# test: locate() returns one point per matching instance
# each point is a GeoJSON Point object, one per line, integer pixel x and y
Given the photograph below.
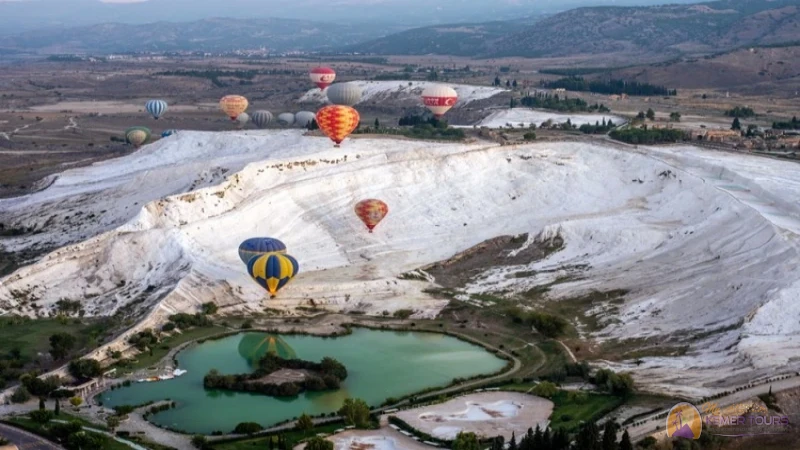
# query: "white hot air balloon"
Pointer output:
{"type": "Point", "coordinates": [261, 118]}
{"type": "Point", "coordinates": [242, 119]}
{"type": "Point", "coordinates": [347, 94]}
{"type": "Point", "coordinates": [303, 118]}
{"type": "Point", "coordinates": [286, 119]}
{"type": "Point", "coordinates": [439, 99]}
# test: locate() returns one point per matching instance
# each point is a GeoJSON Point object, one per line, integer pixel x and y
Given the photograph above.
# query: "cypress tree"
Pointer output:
{"type": "Point", "coordinates": [625, 443]}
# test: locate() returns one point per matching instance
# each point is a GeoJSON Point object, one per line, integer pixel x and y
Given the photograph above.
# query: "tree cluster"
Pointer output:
{"type": "Point", "coordinates": [616, 384]}
{"type": "Point", "coordinates": [793, 124]}
{"type": "Point", "coordinates": [83, 369]}
{"type": "Point", "coordinates": [327, 374]}
{"type": "Point", "coordinates": [742, 112]}
{"type": "Point", "coordinates": [355, 412]}
{"type": "Point", "coordinates": [538, 439]}
{"type": "Point", "coordinates": [610, 87]}
{"type": "Point", "coordinates": [185, 321]}
{"type": "Point", "coordinates": [546, 324]}
{"type": "Point", "coordinates": [556, 103]}
{"type": "Point", "coordinates": [647, 136]}
{"type": "Point", "coordinates": [143, 339]}
{"type": "Point", "coordinates": [597, 128]}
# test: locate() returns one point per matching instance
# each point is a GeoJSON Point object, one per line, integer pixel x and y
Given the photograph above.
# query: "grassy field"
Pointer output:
{"type": "Point", "coordinates": [146, 360]}
{"type": "Point", "coordinates": [31, 336]}
{"type": "Point", "coordinates": [292, 436]}
{"type": "Point", "coordinates": [569, 413]}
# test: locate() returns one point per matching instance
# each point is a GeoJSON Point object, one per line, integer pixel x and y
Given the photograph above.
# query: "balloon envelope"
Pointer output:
{"type": "Point", "coordinates": [233, 105]}
{"type": "Point", "coordinates": [303, 118]}
{"type": "Point", "coordinates": [272, 271]}
{"type": "Point", "coordinates": [371, 211]}
{"type": "Point", "coordinates": [137, 136]}
{"type": "Point", "coordinates": [168, 133]}
{"type": "Point", "coordinates": [439, 99]}
{"type": "Point", "coordinates": [337, 121]}
{"type": "Point", "coordinates": [258, 246]}
{"type": "Point", "coordinates": [261, 118]}
{"type": "Point", "coordinates": [242, 119]}
{"type": "Point", "coordinates": [347, 94]}
{"type": "Point", "coordinates": [286, 119]}
{"type": "Point", "coordinates": [322, 76]}
{"type": "Point", "coordinates": [156, 108]}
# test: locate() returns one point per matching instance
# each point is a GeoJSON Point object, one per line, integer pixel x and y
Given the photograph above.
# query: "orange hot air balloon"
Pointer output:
{"type": "Point", "coordinates": [371, 212]}
{"type": "Point", "coordinates": [233, 105]}
{"type": "Point", "coordinates": [337, 122]}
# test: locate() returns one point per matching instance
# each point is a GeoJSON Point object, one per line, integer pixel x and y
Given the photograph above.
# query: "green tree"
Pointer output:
{"type": "Point", "coordinates": [57, 409]}
{"type": "Point", "coordinates": [736, 125]}
{"type": "Point", "coordinates": [199, 441]}
{"type": "Point", "coordinates": [304, 423]}
{"type": "Point", "coordinates": [641, 115]}
{"type": "Point", "coordinates": [545, 389]}
{"type": "Point", "coordinates": [318, 443]}
{"type": "Point", "coordinates": [41, 416]}
{"type": "Point", "coordinates": [85, 441]}
{"type": "Point", "coordinates": [20, 395]}
{"type": "Point", "coordinates": [625, 443]}
{"type": "Point", "coordinates": [209, 308]}
{"type": "Point", "coordinates": [85, 368]}
{"type": "Point", "coordinates": [514, 83]}
{"type": "Point", "coordinates": [675, 116]}
{"type": "Point", "coordinates": [61, 344]}
{"type": "Point", "coordinates": [76, 401]}
{"type": "Point", "coordinates": [466, 441]}
{"type": "Point", "coordinates": [377, 123]}
{"type": "Point", "coordinates": [512, 444]}
{"type": "Point", "coordinates": [610, 435]}
{"type": "Point", "coordinates": [355, 412]}
{"type": "Point", "coordinates": [588, 438]}
{"type": "Point", "coordinates": [498, 443]}
{"type": "Point", "coordinates": [529, 136]}
{"type": "Point", "coordinates": [651, 114]}
{"type": "Point", "coordinates": [112, 422]}
{"type": "Point", "coordinates": [247, 428]}
{"type": "Point", "coordinates": [41, 403]}
{"type": "Point", "coordinates": [496, 81]}
{"type": "Point", "coordinates": [508, 83]}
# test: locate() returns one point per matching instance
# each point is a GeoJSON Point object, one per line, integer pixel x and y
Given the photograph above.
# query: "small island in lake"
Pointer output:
{"type": "Point", "coordinates": [279, 377]}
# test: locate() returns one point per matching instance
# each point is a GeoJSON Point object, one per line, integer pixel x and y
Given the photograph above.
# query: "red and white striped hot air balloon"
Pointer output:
{"type": "Point", "coordinates": [322, 76]}
{"type": "Point", "coordinates": [439, 99]}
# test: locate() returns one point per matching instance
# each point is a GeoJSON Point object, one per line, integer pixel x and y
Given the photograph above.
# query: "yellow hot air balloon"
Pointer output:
{"type": "Point", "coordinates": [273, 270]}
{"type": "Point", "coordinates": [137, 136]}
{"type": "Point", "coordinates": [233, 105]}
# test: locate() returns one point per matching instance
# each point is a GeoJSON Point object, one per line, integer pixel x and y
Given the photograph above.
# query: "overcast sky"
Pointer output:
{"type": "Point", "coordinates": [16, 15]}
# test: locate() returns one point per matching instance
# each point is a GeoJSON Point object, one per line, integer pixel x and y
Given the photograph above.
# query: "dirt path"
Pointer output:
{"type": "Point", "coordinates": [569, 352]}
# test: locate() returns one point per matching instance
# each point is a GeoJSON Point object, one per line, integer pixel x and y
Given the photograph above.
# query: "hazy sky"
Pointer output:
{"type": "Point", "coordinates": [16, 15]}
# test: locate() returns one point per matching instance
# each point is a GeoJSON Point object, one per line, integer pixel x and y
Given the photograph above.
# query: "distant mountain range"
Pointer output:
{"type": "Point", "coordinates": [639, 34]}
{"type": "Point", "coordinates": [652, 31]}
{"type": "Point", "coordinates": [218, 34]}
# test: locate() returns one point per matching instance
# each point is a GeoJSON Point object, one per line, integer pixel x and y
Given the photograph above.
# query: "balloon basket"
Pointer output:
{"type": "Point", "coordinates": [336, 146]}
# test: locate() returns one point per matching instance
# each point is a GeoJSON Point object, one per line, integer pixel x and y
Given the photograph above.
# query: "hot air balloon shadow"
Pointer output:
{"type": "Point", "coordinates": [255, 346]}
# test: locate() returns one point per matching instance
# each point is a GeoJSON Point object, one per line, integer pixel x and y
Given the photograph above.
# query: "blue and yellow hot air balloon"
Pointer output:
{"type": "Point", "coordinates": [272, 271]}
{"type": "Point", "coordinates": [258, 246]}
{"type": "Point", "coordinates": [168, 133]}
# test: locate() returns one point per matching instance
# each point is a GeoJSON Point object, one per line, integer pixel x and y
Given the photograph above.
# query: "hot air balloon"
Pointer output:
{"type": "Point", "coordinates": [371, 212]}
{"type": "Point", "coordinates": [286, 119]}
{"type": "Point", "coordinates": [272, 271]}
{"type": "Point", "coordinates": [137, 136]}
{"type": "Point", "coordinates": [253, 247]}
{"type": "Point", "coordinates": [322, 76]}
{"type": "Point", "coordinates": [242, 119]}
{"type": "Point", "coordinates": [347, 94]}
{"type": "Point", "coordinates": [439, 99]}
{"type": "Point", "coordinates": [337, 122]}
{"type": "Point", "coordinates": [233, 105]}
{"type": "Point", "coordinates": [261, 118]}
{"type": "Point", "coordinates": [255, 346]}
{"type": "Point", "coordinates": [168, 133]}
{"type": "Point", "coordinates": [156, 108]}
{"type": "Point", "coordinates": [303, 118]}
